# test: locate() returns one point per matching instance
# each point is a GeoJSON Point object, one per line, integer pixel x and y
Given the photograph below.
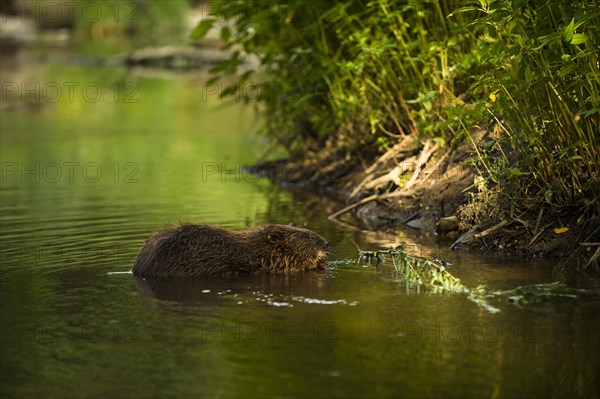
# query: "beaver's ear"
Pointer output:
{"type": "Point", "coordinates": [274, 237]}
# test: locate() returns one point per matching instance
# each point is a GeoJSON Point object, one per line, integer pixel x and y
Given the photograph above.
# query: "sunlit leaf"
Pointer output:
{"type": "Point", "coordinates": [225, 34]}
{"type": "Point", "coordinates": [202, 28]}
{"type": "Point", "coordinates": [568, 32]}
{"type": "Point", "coordinates": [560, 230]}
{"type": "Point", "coordinates": [578, 38]}
{"type": "Point", "coordinates": [463, 9]}
{"type": "Point", "coordinates": [566, 57]}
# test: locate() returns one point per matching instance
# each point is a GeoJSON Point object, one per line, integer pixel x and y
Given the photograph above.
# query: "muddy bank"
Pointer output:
{"type": "Point", "coordinates": [433, 189]}
{"type": "Point", "coordinates": [410, 185]}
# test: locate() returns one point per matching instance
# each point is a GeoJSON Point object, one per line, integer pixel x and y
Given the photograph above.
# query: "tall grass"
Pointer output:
{"type": "Point", "coordinates": [365, 73]}
{"type": "Point", "coordinates": [354, 70]}
{"type": "Point", "coordinates": [542, 79]}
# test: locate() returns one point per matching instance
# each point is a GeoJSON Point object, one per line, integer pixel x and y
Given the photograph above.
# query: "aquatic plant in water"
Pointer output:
{"type": "Point", "coordinates": [433, 273]}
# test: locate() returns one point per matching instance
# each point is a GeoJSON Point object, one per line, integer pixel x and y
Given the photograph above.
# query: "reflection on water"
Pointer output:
{"type": "Point", "coordinates": [84, 183]}
{"type": "Point", "coordinates": [216, 291]}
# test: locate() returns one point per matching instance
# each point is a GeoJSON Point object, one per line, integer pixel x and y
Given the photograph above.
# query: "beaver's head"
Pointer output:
{"type": "Point", "coordinates": [293, 249]}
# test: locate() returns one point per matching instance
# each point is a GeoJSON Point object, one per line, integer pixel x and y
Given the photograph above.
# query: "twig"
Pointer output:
{"type": "Point", "coordinates": [363, 201]}
{"type": "Point", "coordinates": [438, 164]}
{"type": "Point", "coordinates": [346, 225]}
{"type": "Point", "coordinates": [389, 154]}
{"type": "Point", "coordinates": [465, 238]}
{"type": "Point", "coordinates": [370, 181]}
{"type": "Point", "coordinates": [594, 258]}
{"type": "Point", "coordinates": [491, 229]}
{"type": "Point", "coordinates": [350, 207]}
{"type": "Point", "coordinates": [396, 150]}
{"type": "Point", "coordinates": [426, 153]}
{"type": "Point", "coordinates": [409, 217]}
{"type": "Point", "coordinates": [393, 175]}
{"type": "Point", "coordinates": [539, 233]}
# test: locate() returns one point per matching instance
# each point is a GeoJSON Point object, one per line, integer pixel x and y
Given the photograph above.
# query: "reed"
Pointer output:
{"type": "Point", "coordinates": [359, 74]}
{"type": "Point", "coordinates": [540, 90]}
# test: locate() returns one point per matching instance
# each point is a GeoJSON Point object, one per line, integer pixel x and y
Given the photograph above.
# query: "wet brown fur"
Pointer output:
{"type": "Point", "coordinates": [197, 250]}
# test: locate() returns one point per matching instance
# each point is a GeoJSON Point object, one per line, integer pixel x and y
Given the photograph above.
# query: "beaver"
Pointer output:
{"type": "Point", "coordinates": [200, 250]}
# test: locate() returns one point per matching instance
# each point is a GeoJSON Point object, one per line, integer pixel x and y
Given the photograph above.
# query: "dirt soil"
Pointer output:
{"type": "Point", "coordinates": [422, 186]}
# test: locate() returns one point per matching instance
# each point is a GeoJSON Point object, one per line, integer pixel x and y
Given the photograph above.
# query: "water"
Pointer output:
{"type": "Point", "coordinates": [85, 182]}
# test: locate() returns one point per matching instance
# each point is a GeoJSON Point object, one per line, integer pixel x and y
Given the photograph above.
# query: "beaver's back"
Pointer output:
{"type": "Point", "coordinates": [192, 250]}
{"type": "Point", "coordinates": [196, 250]}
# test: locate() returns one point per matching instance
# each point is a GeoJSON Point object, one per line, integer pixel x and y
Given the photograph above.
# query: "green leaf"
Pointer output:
{"type": "Point", "coordinates": [513, 172]}
{"type": "Point", "coordinates": [212, 80]}
{"type": "Point", "coordinates": [548, 40]}
{"type": "Point", "coordinates": [578, 38]}
{"type": "Point", "coordinates": [440, 141]}
{"type": "Point", "coordinates": [522, 40]}
{"type": "Point", "coordinates": [568, 32]}
{"type": "Point", "coordinates": [489, 144]}
{"type": "Point", "coordinates": [225, 34]}
{"type": "Point", "coordinates": [528, 75]}
{"type": "Point", "coordinates": [463, 9]}
{"type": "Point", "coordinates": [202, 28]}
{"type": "Point", "coordinates": [589, 112]}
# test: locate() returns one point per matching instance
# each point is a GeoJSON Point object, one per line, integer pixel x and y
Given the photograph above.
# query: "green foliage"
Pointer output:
{"type": "Point", "coordinates": [290, 41]}
{"type": "Point", "coordinates": [423, 271]}
{"type": "Point", "coordinates": [434, 275]}
{"type": "Point", "coordinates": [367, 72]}
{"type": "Point", "coordinates": [353, 70]}
{"type": "Point", "coordinates": [540, 85]}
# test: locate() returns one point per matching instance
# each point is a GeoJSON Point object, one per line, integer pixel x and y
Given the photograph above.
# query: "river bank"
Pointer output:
{"type": "Point", "coordinates": [421, 186]}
